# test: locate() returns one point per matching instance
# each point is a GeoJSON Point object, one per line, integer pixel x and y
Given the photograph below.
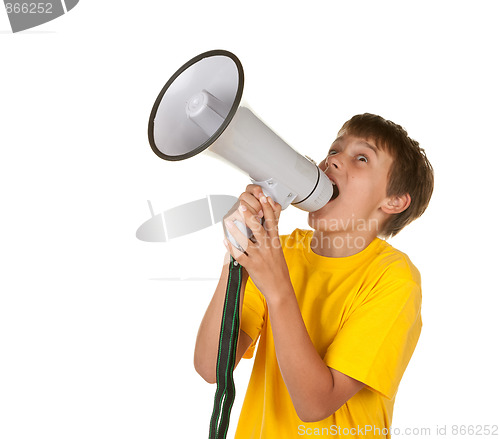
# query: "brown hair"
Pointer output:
{"type": "Point", "coordinates": [410, 171]}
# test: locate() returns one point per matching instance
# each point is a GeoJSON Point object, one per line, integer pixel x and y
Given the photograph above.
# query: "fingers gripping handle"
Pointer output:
{"type": "Point", "coordinates": [271, 188]}
{"type": "Point", "coordinates": [246, 231]}
{"type": "Point", "coordinates": [243, 229]}
{"type": "Point", "coordinates": [277, 191]}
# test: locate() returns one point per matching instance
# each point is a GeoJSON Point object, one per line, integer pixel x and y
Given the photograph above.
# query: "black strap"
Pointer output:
{"type": "Point", "coordinates": [226, 357]}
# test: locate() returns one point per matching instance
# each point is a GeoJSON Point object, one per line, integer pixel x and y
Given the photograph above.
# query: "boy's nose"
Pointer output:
{"type": "Point", "coordinates": [333, 161]}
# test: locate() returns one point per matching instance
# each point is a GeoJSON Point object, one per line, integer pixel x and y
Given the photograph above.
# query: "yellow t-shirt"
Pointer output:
{"type": "Point", "coordinates": [362, 313]}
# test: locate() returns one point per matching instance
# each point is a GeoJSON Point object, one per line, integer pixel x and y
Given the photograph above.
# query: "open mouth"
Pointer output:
{"type": "Point", "coordinates": [335, 191]}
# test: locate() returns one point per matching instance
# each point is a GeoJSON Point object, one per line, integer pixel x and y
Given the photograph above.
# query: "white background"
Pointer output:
{"type": "Point", "coordinates": [90, 345]}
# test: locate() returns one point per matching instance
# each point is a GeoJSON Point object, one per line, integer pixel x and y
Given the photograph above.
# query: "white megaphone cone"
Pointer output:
{"type": "Point", "coordinates": [200, 108]}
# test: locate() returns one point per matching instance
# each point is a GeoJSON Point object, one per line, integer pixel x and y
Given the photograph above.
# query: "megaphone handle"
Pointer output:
{"type": "Point", "coordinates": [271, 188]}
{"type": "Point", "coordinates": [277, 191]}
{"type": "Point", "coordinates": [241, 227]}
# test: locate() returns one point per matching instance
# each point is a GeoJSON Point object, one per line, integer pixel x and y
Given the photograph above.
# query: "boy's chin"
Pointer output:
{"type": "Point", "coordinates": [310, 220]}
{"type": "Point", "coordinates": [319, 224]}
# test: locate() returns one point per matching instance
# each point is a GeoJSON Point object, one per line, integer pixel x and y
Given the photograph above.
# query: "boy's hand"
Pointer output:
{"type": "Point", "coordinates": [264, 260]}
{"type": "Point", "coordinates": [251, 200]}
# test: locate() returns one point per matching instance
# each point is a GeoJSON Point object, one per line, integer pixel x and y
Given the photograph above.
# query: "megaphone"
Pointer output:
{"type": "Point", "coordinates": [200, 108]}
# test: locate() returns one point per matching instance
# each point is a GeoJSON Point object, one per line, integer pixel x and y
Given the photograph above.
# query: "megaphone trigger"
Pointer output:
{"type": "Point", "coordinates": [279, 192]}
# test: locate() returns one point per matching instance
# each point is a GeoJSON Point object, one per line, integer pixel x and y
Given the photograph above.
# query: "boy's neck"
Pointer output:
{"type": "Point", "coordinates": [340, 244]}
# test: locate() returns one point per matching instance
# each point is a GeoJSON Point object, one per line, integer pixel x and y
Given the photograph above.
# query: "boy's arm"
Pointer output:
{"type": "Point", "coordinates": [207, 341]}
{"type": "Point", "coordinates": [316, 390]}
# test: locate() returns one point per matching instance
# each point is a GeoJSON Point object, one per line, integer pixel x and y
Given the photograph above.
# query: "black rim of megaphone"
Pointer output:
{"type": "Point", "coordinates": [221, 129]}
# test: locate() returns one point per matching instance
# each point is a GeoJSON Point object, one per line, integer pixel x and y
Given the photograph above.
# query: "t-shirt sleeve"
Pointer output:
{"type": "Point", "coordinates": [252, 315]}
{"type": "Point", "coordinates": [377, 340]}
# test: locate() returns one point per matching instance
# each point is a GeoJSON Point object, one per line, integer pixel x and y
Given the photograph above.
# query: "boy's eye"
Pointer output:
{"type": "Point", "coordinates": [332, 152]}
{"type": "Point", "coordinates": [362, 158]}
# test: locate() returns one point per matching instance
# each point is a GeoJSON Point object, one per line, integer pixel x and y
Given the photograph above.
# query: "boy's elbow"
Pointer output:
{"type": "Point", "coordinates": [315, 414]}
{"type": "Point", "coordinates": [324, 405]}
{"type": "Point", "coordinates": [210, 379]}
{"type": "Point", "coordinates": [207, 373]}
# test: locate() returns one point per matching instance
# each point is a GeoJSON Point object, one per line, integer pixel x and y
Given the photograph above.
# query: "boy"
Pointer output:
{"type": "Point", "coordinates": [337, 309]}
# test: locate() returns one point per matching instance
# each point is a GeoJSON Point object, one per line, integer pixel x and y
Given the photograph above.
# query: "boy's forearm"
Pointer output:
{"type": "Point", "coordinates": [308, 379]}
{"type": "Point", "coordinates": [207, 341]}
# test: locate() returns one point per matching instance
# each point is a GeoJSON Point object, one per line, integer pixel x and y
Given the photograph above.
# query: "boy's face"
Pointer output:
{"type": "Point", "coordinates": [360, 170]}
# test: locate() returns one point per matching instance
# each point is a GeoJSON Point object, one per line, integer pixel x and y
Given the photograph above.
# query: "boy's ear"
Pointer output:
{"type": "Point", "coordinates": [396, 203]}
